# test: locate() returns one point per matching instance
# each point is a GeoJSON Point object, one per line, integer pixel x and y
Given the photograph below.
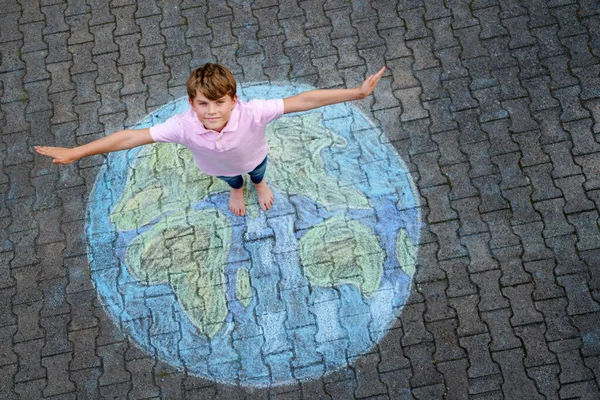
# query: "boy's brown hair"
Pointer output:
{"type": "Point", "coordinates": [213, 80]}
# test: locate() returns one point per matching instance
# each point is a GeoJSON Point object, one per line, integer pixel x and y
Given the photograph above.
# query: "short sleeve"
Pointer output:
{"type": "Point", "coordinates": [266, 111]}
{"type": "Point", "coordinates": [169, 131]}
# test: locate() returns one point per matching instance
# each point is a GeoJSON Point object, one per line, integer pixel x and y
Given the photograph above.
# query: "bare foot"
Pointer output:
{"type": "Point", "coordinates": [236, 202]}
{"type": "Point", "coordinates": [265, 195]}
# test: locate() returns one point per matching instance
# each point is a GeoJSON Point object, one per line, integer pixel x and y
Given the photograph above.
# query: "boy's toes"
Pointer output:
{"type": "Point", "coordinates": [265, 196]}
{"type": "Point", "coordinates": [236, 202]}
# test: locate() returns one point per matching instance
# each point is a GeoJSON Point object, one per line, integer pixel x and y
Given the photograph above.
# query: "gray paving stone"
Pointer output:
{"type": "Point", "coordinates": [548, 42]}
{"type": "Point", "coordinates": [485, 386]}
{"type": "Point", "coordinates": [414, 326]}
{"type": "Point", "coordinates": [488, 186]}
{"type": "Point", "coordinates": [442, 33]}
{"type": "Point", "coordinates": [518, 31]}
{"type": "Point", "coordinates": [430, 79]}
{"type": "Point", "coordinates": [460, 94]}
{"type": "Point", "coordinates": [439, 111]}
{"type": "Point", "coordinates": [449, 150]}
{"type": "Point", "coordinates": [489, 289]}
{"type": "Point", "coordinates": [592, 25]}
{"type": "Point", "coordinates": [539, 14]}
{"type": "Point", "coordinates": [539, 93]}
{"type": "Point", "coordinates": [517, 384]}
{"type": "Point", "coordinates": [501, 332]}
{"type": "Point", "coordinates": [459, 283]}
{"type": "Point", "coordinates": [422, 50]}
{"type": "Point", "coordinates": [30, 366]}
{"type": "Point", "coordinates": [566, 254]}
{"type": "Point", "coordinates": [529, 64]}
{"type": "Point", "coordinates": [100, 12]}
{"type": "Point", "coordinates": [591, 258]}
{"type": "Point", "coordinates": [592, 363]}
{"type": "Point", "coordinates": [470, 219]}
{"type": "Point", "coordinates": [569, 99]}
{"type": "Point", "coordinates": [578, 293]}
{"type": "Point", "coordinates": [546, 379]}
{"type": "Point", "coordinates": [536, 348]}
{"type": "Point", "coordinates": [423, 149]}
{"type": "Point", "coordinates": [557, 321]}
{"type": "Point", "coordinates": [481, 363]}
{"type": "Point", "coordinates": [142, 382]}
{"type": "Point", "coordinates": [340, 390]}
{"type": "Point", "coordinates": [509, 259]}
{"type": "Point", "coordinates": [509, 167]}
{"type": "Point", "coordinates": [561, 77]}
{"type": "Point", "coordinates": [30, 389]}
{"type": "Point", "coordinates": [451, 63]}
{"type": "Point", "coordinates": [583, 390]}
{"type": "Point", "coordinates": [35, 66]}
{"type": "Point", "coordinates": [562, 159]}
{"type": "Point", "coordinates": [397, 383]}
{"type": "Point", "coordinates": [315, 15]}
{"type": "Point", "coordinates": [567, 20]}
{"type": "Point", "coordinates": [456, 378]}
{"type": "Point", "coordinates": [424, 371]}
{"type": "Point", "coordinates": [367, 379]}
{"type": "Point", "coordinates": [588, 232]}
{"type": "Point", "coordinates": [214, 10]}
{"type": "Point", "coordinates": [572, 367]}
{"type": "Point", "coordinates": [588, 328]}
{"type": "Point", "coordinates": [436, 302]}
{"type": "Point", "coordinates": [103, 38]}
{"type": "Point", "coordinates": [58, 375]}
{"type": "Point", "coordinates": [553, 215]}
{"type": "Point", "coordinates": [529, 144]}
{"type": "Point", "coordinates": [340, 21]}
{"type": "Point", "coordinates": [7, 389]}
{"type": "Point", "coordinates": [415, 23]}
{"type": "Point", "coordinates": [532, 241]}
{"type": "Point", "coordinates": [479, 159]}
{"type": "Point", "coordinates": [393, 356]}
{"type": "Point", "coordinates": [38, 96]}
{"type": "Point", "coordinates": [54, 297]}
{"type": "Point", "coordinates": [491, 108]}
{"type": "Point", "coordinates": [112, 357]}
{"type": "Point", "coordinates": [450, 246]}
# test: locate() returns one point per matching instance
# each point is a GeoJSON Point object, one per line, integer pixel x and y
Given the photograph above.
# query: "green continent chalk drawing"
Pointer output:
{"type": "Point", "coordinates": [273, 297]}
{"type": "Point", "coordinates": [243, 290]}
{"type": "Point", "coordinates": [298, 167]}
{"type": "Point", "coordinates": [339, 251]}
{"type": "Point", "coordinates": [187, 251]}
{"type": "Point", "coordinates": [406, 252]}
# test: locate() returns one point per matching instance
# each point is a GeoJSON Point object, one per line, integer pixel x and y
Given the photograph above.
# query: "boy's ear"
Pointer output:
{"type": "Point", "coordinates": [191, 101]}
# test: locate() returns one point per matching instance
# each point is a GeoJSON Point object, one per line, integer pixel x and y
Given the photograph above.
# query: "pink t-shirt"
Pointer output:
{"type": "Point", "coordinates": [236, 150]}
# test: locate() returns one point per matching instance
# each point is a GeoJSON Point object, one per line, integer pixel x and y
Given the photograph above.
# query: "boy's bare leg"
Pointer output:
{"type": "Point", "coordinates": [236, 202]}
{"type": "Point", "coordinates": [265, 195]}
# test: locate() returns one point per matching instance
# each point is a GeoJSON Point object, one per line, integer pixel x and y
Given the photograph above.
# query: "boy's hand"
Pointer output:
{"type": "Point", "coordinates": [60, 155]}
{"type": "Point", "coordinates": [369, 84]}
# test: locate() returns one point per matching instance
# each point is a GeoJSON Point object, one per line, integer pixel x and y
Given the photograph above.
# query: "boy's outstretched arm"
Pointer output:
{"type": "Point", "coordinates": [120, 140]}
{"type": "Point", "coordinates": [318, 98]}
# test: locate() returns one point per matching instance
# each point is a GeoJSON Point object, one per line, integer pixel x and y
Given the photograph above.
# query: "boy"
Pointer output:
{"type": "Point", "coordinates": [225, 135]}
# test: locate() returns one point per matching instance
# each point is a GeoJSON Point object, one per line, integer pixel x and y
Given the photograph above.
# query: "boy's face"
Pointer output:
{"type": "Point", "coordinates": [213, 114]}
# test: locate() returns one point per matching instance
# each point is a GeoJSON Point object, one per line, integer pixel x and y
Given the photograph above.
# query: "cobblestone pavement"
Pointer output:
{"type": "Point", "coordinates": [494, 106]}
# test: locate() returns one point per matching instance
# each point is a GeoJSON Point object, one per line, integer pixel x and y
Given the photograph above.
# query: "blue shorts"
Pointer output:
{"type": "Point", "coordinates": [256, 175]}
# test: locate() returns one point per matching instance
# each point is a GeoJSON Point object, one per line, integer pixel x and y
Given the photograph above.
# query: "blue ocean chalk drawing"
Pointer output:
{"type": "Point", "coordinates": [274, 297]}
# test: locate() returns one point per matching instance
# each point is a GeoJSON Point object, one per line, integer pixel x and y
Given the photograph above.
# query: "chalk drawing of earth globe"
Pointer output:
{"type": "Point", "coordinates": [274, 297]}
